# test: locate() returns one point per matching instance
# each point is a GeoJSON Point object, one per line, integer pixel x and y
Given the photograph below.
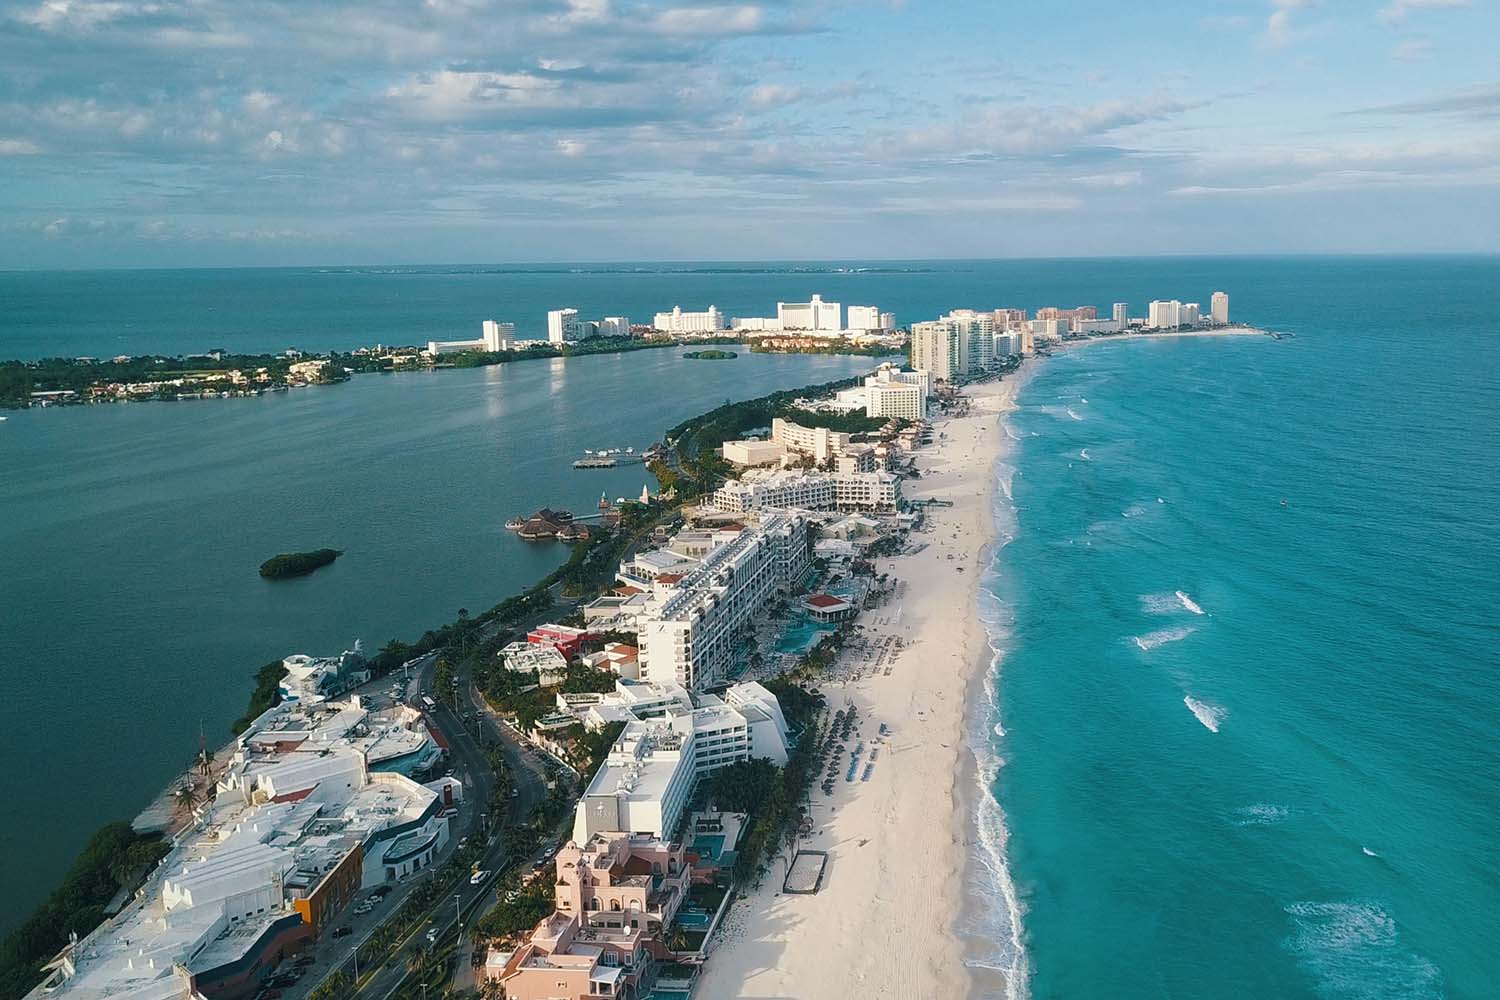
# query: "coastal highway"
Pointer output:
{"type": "Point", "coordinates": [470, 764]}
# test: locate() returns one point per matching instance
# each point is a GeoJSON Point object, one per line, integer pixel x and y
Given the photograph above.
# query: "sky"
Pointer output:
{"type": "Point", "coordinates": [142, 133]}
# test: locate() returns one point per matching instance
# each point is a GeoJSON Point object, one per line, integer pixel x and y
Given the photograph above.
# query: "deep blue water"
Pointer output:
{"type": "Point", "coordinates": [1295, 793]}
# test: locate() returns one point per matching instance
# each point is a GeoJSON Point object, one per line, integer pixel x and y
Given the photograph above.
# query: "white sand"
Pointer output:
{"type": "Point", "coordinates": [883, 925]}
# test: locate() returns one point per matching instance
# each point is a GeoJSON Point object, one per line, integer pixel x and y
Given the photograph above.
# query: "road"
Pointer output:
{"type": "Point", "coordinates": [467, 732]}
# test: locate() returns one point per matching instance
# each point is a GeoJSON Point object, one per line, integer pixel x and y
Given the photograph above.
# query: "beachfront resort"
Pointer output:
{"type": "Point", "coordinates": [845, 561]}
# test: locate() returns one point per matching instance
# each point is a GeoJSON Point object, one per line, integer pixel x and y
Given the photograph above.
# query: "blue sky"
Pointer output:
{"type": "Point", "coordinates": [160, 132]}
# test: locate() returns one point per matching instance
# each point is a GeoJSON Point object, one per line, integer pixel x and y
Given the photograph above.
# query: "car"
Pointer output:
{"type": "Point", "coordinates": [478, 877]}
{"type": "Point", "coordinates": [339, 932]}
{"type": "Point", "coordinates": [432, 935]}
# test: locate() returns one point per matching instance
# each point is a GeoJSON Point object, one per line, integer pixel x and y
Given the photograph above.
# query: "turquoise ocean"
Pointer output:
{"type": "Point", "coordinates": [1248, 731]}
{"type": "Point", "coordinates": [1294, 793]}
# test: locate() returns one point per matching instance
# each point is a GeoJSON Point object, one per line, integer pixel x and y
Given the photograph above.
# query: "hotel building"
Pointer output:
{"type": "Point", "coordinates": [667, 746]}
{"type": "Point", "coordinates": [795, 490]}
{"type": "Point", "coordinates": [1164, 315]}
{"type": "Point", "coordinates": [495, 337]}
{"type": "Point", "coordinates": [678, 321]}
{"type": "Point", "coordinates": [814, 315]}
{"type": "Point", "coordinates": [1218, 308]}
{"type": "Point", "coordinates": [690, 629]}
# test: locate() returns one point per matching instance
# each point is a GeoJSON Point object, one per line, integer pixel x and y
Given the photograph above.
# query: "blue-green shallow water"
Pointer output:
{"type": "Point", "coordinates": [131, 611]}
{"type": "Point", "coordinates": [1337, 836]}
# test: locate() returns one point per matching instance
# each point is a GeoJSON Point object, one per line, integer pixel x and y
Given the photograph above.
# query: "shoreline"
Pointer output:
{"type": "Point", "coordinates": [888, 921]}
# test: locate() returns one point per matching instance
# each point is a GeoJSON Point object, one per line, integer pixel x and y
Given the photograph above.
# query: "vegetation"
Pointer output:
{"type": "Point", "coordinates": [712, 355]}
{"type": "Point", "coordinates": [772, 796]}
{"type": "Point", "coordinates": [854, 422]}
{"type": "Point", "coordinates": [700, 467]}
{"type": "Point", "coordinates": [19, 379]}
{"type": "Point", "coordinates": [116, 858]}
{"type": "Point", "coordinates": [267, 693]}
{"type": "Point", "coordinates": [290, 564]}
{"type": "Point", "coordinates": [520, 914]}
{"type": "Point", "coordinates": [794, 344]}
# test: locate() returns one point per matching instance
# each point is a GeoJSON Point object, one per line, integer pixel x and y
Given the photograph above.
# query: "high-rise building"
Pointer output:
{"type": "Point", "coordinates": [614, 326]}
{"type": "Point", "coordinates": [814, 315]}
{"type": "Point", "coordinates": [1190, 314]}
{"type": "Point", "coordinates": [1006, 319]}
{"type": "Point", "coordinates": [864, 318]}
{"type": "Point", "coordinates": [1218, 308]}
{"type": "Point", "coordinates": [1121, 315]}
{"type": "Point", "coordinates": [497, 335]}
{"type": "Point", "coordinates": [1163, 315]}
{"type": "Point", "coordinates": [934, 348]}
{"type": "Point", "coordinates": [558, 321]}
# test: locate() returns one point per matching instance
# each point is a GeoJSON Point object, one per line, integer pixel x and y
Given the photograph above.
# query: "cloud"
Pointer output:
{"type": "Point", "coordinates": [18, 147]}
{"type": "Point", "coordinates": [1480, 102]}
{"type": "Point", "coordinates": [1279, 30]}
{"type": "Point", "coordinates": [1396, 12]}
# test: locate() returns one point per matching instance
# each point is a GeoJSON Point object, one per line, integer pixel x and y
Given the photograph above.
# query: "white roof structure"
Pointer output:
{"type": "Point", "coordinates": [293, 804]}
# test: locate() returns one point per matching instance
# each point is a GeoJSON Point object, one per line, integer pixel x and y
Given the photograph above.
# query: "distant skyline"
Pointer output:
{"type": "Point", "coordinates": [143, 133]}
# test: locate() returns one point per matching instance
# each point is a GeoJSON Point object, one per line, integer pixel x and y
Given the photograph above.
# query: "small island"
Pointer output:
{"type": "Point", "coordinates": [290, 564]}
{"type": "Point", "coordinates": [710, 355]}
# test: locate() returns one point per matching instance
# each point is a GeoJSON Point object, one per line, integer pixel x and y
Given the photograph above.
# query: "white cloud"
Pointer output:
{"type": "Point", "coordinates": [1396, 12]}
{"type": "Point", "coordinates": [1279, 29]}
{"type": "Point", "coordinates": [18, 147]}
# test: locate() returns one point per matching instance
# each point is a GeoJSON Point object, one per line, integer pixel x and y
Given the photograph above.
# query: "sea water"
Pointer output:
{"type": "Point", "coordinates": [1247, 741]}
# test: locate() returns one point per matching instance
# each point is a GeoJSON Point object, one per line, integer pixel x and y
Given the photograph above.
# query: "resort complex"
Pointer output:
{"type": "Point", "coordinates": [679, 685]}
{"type": "Point", "coordinates": [311, 810]}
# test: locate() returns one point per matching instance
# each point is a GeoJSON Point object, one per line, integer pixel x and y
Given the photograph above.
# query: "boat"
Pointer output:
{"type": "Point", "coordinates": [514, 524]}
{"type": "Point", "coordinates": [595, 463]}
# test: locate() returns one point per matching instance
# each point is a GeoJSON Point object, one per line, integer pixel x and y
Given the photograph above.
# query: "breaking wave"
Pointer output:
{"type": "Point", "coordinates": [1212, 716]}
{"type": "Point", "coordinates": [1161, 637]}
{"type": "Point", "coordinates": [1353, 950]}
{"type": "Point", "coordinates": [1188, 603]}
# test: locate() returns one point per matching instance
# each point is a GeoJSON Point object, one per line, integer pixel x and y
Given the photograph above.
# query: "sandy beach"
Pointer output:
{"type": "Point", "coordinates": [883, 925]}
{"type": "Point", "coordinates": [887, 921]}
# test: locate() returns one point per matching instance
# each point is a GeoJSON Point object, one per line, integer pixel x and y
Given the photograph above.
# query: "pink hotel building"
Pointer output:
{"type": "Point", "coordinates": [615, 897]}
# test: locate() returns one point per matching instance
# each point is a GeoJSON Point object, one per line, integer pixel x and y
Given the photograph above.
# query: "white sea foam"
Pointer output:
{"type": "Point", "coordinates": [1354, 949]}
{"type": "Point", "coordinates": [1212, 716]}
{"type": "Point", "coordinates": [1260, 814]}
{"type": "Point", "coordinates": [1160, 604]}
{"type": "Point", "coordinates": [1161, 637]}
{"type": "Point", "coordinates": [1083, 453]}
{"type": "Point", "coordinates": [1368, 853]}
{"type": "Point", "coordinates": [1189, 603]}
{"type": "Point", "coordinates": [994, 941]}
{"type": "Point", "coordinates": [1073, 413]}
{"type": "Point", "coordinates": [1134, 510]}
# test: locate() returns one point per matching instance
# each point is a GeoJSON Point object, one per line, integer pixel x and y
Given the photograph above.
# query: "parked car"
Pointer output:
{"type": "Point", "coordinates": [339, 932]}
{"type": "Point", "coordinates": [478, 877]}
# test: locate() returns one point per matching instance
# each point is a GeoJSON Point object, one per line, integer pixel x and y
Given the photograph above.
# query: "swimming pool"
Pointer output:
{"type": "Point", "coordinates": [709, 845]}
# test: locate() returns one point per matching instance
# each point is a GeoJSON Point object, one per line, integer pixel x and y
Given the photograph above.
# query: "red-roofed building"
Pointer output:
{"type": "Point", "coordinates": [566, 639]}
{"type": "Point", "coordinates": [826, 608]}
